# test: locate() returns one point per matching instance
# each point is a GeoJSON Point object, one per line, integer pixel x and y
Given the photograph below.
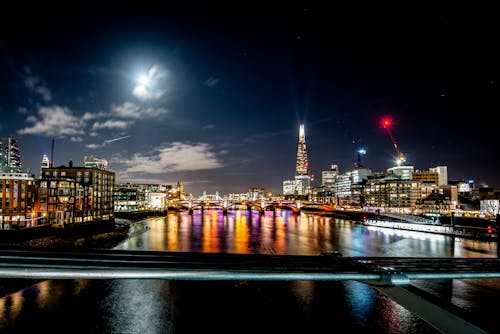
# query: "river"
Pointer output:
{"type": "Point", "coordinates": [155, 306]}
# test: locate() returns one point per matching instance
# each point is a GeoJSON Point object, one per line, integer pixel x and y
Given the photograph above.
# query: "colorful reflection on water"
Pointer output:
{"type": "Point", "coordinates": [144, 306]}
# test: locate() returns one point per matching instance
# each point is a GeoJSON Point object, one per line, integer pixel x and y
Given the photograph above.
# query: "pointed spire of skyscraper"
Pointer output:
{"type": "Point", "coordinates": [302, 167]}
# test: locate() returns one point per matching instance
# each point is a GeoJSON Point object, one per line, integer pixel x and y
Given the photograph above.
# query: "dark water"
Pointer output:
{"type": "Point", "coordinates": [155, 306]}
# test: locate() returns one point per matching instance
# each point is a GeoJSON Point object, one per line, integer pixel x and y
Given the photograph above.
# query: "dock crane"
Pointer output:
{"type": "Point", "coordinates": [386, 124]}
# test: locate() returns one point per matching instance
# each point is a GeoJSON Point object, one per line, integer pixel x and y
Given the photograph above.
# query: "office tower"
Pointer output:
{"type": "Point", "coordinates": [302, 166]}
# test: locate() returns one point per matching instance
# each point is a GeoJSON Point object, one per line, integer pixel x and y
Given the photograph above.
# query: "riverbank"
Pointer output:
{"type": "Point", "coordinates": [136, 215]}
{"type": "Point", "coordinates": [104, 237]}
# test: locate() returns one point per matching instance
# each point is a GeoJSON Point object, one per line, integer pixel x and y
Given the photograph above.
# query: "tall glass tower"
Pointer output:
{"type": "Point", "coordinates": [302, 167]}
{"type": "Point", "coordinates": [3, 158]}
{"type": "Point", "coordinates": [13, 155]}
{"type": "Point", "coordinates": [301, 185]}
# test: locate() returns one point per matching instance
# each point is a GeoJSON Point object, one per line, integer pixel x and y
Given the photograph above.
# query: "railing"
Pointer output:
{"type": "Point", "coordinates": [107, 264]}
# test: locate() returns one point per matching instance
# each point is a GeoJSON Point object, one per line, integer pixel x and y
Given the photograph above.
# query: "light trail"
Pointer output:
{"type": "Point", "coordinates": [115, 139]}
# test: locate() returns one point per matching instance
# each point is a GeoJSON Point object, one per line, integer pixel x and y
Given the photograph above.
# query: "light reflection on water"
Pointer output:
{"type": "Point", "coordinates": [136, 306]}
{"type": "Point", "coordinates": [148, 306]}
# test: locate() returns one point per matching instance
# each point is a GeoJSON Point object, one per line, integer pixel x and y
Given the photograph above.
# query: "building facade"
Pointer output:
{"type": "Point", "coordinates": [329, 177]}
{"type": "Point", "coordinates": [392, 194]}
{"type": "Point", "coordinates": [70, 195]}
{"type": "Point", "coordinates": [17, 201]}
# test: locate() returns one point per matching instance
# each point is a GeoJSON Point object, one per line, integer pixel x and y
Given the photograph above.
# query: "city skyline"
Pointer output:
{"type": "Point", "coordinates": [214, 96]}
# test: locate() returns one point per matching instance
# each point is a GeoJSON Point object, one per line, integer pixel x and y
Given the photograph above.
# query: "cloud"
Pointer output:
{"type": "Point", "coordinates": [127, 178]}
{"type": "Point", "coordinates": [60, 121]}
{"type": "Point", "coordinates": [144, 92]}
{"type": "Point", "coordinates": [208, 126]}
{"type": "Point", "coordinates": [211, 82]}
{"type": "Point", "coordinates": [54, 121]}
{"type": "Point", "coordinates": [110, 124]}
{"type": "Point", "coordinates": [36, 85]}
{"type": "Point", "coordinates": [76, 139]}
{"type": "Point", "coordinates": [130, 110]}
{"type": "Point", "coordinates": [151, 84]}
{"type": "Point", "coordinates": [88, 116]}
{"type": "Point", "coordinates": [157, 72]}
{"type": "Point", "coordinates": [94, 145]}
{"type": "Point", "coordinates": [44, 92]}
{"type": "Point", "coordinates": [172, 158]}
{"type": "Point", "coordinates": [120, 116]}
{"type": "Point", "coordinates": [31, 119]}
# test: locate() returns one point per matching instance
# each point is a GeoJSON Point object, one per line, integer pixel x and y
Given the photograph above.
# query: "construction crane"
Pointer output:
{"type": "Point", "coordinates": [386, 124]}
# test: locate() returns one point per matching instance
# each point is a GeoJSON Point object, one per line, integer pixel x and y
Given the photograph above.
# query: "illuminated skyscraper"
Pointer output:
{"type": "Point", "coordinates": [45, 163]}
{"type": "Point", "coordinates": [302, 167]}
{"type": "Point", "coordinates": [3, 157]}
{"type": "Point", "coordinates": [14, 155]}
{"type": "Point", "coordinates": [10, 157]}
{"type": "Point", "coordinates": [301, 185]}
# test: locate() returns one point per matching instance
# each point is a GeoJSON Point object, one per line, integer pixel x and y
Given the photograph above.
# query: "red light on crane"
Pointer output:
{"type": "Point", "coordinates": [386, 124]}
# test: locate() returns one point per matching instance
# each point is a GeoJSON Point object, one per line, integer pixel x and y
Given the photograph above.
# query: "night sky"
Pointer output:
{"type": "Point", "coordinates": [213, 96]}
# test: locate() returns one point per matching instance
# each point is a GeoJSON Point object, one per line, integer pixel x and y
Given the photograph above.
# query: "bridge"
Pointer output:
{"type": "Point", "coordinates": [261, 205]}
{"type": "Point", "coordinates": [389, 275]}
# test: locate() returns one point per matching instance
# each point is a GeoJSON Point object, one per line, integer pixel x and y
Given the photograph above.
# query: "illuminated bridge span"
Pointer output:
{"type": "Point", "coordinates": [390, 275]}
{"type": "Point", "coordinates": [215, 202]}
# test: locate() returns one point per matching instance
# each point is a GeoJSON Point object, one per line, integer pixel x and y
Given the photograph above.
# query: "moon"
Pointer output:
{"type": "Point", "coordinates": [143, 80]}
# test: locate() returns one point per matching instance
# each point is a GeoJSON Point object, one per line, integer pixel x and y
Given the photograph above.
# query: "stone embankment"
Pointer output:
{"type": "Point", "coordinates": [106, 236]}
{"type": "Point", "coordinates": [78, 238]}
